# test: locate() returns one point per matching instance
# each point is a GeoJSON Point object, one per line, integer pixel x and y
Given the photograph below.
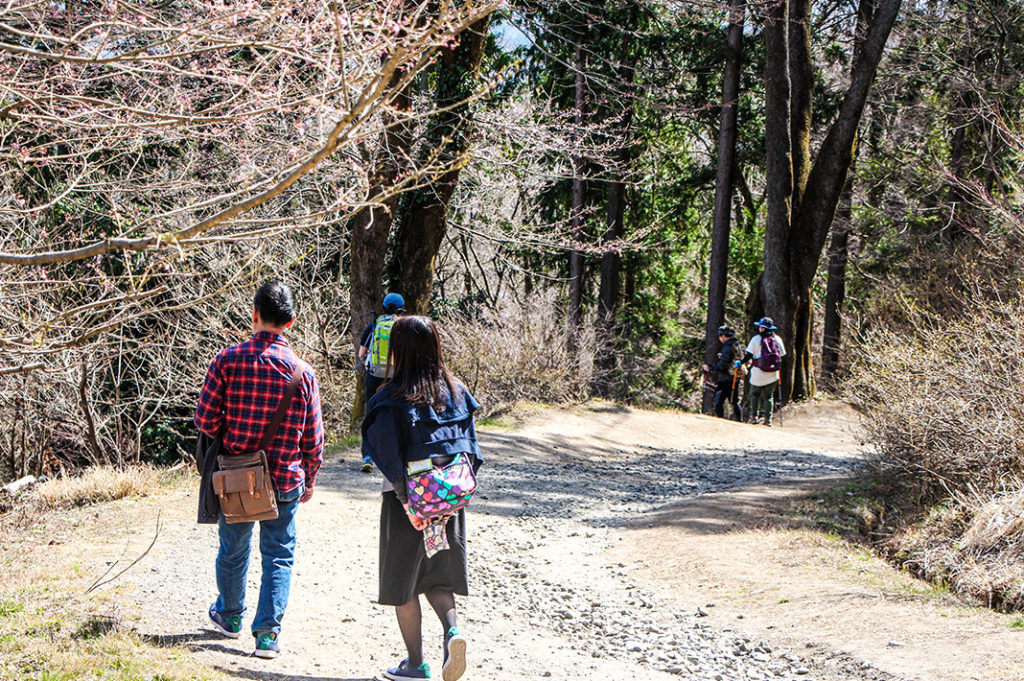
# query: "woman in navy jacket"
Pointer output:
{"type": "Point", "coordinates": [422, 412]}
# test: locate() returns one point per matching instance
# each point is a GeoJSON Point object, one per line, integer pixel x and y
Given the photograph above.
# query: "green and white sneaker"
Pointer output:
{"type": "Point", "coordinates": [454, 655]}
{"type": "Point", "coordinates": [229, 626]}
{"type": "Point", "coordinates": [266, 645]}
{"type": "Point", "coordinates": [406, 672]}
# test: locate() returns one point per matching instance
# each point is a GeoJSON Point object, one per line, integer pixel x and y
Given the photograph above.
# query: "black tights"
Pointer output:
{"type": "Point", "coordinates": [726, 392]}
{"type": "Point", "coordinates": [410, 621]}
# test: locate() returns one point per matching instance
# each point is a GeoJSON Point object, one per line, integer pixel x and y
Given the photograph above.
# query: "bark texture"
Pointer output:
{"type": "Point", "coordinates": [610, 288]}
{"type": "Point", "coordinates": [579, 198]}
{"type": "Point", "coordinates": [424, 219]}
{"type": "Point", "coordinates": [718, 270]}
{"type": "Point", "coordinates": [793, 247]}
{"type": "Point", "coordinates": [779, 172]}
{"type": "Point", "coordinates": [369, 236]}
{"type": "Point", "coordinates": [835, 292]}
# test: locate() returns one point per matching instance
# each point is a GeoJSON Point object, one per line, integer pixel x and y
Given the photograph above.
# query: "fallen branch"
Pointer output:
{"type": "Point", "coordinates": [103, 581]}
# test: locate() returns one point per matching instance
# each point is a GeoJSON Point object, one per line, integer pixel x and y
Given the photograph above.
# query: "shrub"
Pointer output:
{"type": "Point", "coordinates": [519, 352]}
{"type": "Point", "coordinates": [945, 404]}
{"type": "Point", "coordinates": [946, 418]}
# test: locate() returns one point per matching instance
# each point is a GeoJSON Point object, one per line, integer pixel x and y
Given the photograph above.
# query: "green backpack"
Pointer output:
{"type": "Point", "coordinates": [380, 341]}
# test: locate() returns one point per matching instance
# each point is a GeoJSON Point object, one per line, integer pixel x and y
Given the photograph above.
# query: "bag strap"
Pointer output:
{"type": "Point", "coordinates": [282, 406]}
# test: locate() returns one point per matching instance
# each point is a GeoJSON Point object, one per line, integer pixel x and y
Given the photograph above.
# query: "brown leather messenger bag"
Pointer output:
{"type": "Point", "coordinates": [243, 483]}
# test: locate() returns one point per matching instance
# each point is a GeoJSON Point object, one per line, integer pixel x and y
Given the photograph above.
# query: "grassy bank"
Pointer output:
{"type": "Point", "coordinates": [968, 546]}
{"type": "Point", "coordinates": [51, 629]}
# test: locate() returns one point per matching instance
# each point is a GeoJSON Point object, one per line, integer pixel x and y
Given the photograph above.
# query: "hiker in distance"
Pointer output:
{"type": "Point", "coordinates": [728, 370]}
{"type": "Point", "coordinates": [765, 352]}
{"type": "Point", "coordinates": [244, 388]}
{"type": "Point", "coordinates": [421, 420]}
{"type": "Point", "coordinates": [373, 351]}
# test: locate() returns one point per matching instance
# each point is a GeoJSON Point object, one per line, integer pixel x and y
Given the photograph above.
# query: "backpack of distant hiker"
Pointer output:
{"type": "Point", "coordinates": [771, 354]}
{"type": "Point", "coordinates": [380, 341]}
{"type": "Point", "coordinates": [736, 361]}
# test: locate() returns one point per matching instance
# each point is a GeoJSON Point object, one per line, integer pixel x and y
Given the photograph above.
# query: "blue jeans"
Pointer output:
{"type": "Point", "coordinates": [277, 546]}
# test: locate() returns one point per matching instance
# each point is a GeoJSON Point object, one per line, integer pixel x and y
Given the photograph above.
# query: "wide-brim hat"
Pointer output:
{"type": "Point", "coordinates": [767, 323]}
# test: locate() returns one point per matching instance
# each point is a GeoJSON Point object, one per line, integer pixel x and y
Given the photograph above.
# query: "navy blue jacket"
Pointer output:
{"type": "Point", "coordinates": [730, 353]}
{"type": "Point", "coordinates": [396, 431]}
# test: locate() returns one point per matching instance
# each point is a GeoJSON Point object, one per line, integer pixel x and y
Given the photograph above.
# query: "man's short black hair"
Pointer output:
{"type": "Point", "coordinates": [275, 302]}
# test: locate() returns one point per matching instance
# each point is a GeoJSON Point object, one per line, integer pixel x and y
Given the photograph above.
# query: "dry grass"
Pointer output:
{"type": "Point", "coordinates": [46, 639]}
{"type": "Point", "coordinates": [947, 419]}
{"type": "Point", "coordinates": [97, 484]}
{"type": "Point", "coordinates": [50, 628]}
{"type": "Point", "coordinates": [976, 548]}
{"type": "Point", "coordinates": [996, 523]}
{"type": "Point", "coordinates": [519, 353]}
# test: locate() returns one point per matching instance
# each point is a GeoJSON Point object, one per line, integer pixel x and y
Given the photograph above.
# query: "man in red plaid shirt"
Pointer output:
{"type": "Point", "coordinates": [243, 387]}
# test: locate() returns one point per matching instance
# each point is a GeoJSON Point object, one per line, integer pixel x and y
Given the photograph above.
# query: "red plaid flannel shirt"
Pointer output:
{"type": "Point", "coordinates": [243, 387]}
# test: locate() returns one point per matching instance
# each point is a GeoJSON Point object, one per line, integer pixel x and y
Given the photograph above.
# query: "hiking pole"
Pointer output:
{"type": "Point", "coordinates": [732, 394]}
{"type": "Point", "coordinates": [778, 389]}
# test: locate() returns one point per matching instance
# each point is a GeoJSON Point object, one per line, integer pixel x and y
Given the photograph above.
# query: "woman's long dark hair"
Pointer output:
{"type": "Point", "coordinates": [414, 350]}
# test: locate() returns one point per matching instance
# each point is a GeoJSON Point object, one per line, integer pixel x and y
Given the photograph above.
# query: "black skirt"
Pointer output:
{"type": "Point", "coordinates": [405, 570]}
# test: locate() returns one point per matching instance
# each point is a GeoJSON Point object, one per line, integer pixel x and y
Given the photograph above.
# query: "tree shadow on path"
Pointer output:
{"type": "Point", "coordinates": [255, 675]}
{"type": "Point", "coordinates": [604, 484]}
{"type": "Point", "coordinates": [197, 640]}
{"type": "Point", "coordinates": [212, 641]}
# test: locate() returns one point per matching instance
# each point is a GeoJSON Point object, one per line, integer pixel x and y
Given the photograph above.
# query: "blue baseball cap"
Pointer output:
{"type": "Point", "coordinates": [394, 301]}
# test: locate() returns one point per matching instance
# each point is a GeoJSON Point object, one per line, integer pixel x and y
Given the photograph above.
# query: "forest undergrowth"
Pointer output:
{"type": "Point", "coordinates": [940, 383]}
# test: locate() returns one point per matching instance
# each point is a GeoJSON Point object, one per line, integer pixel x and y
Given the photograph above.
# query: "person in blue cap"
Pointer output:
{"type": "Point", "coordinates": [765, 352]}
{"type": "Point", "coordinates": [373, 351]}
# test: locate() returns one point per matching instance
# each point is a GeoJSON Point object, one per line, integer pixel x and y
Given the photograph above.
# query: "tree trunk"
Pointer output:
{"type": "Point", "coordinates": [778, 298]}
{"type": "Point", "coordinates": [835, 289]}
{"type": "Point", "coordinates": [791, 255]}
{"type": "Point", "coordinates": [611, 260]}
{"type": "Point", "coordinates": [370, 230]}
{"type": "Point", "coordinates": [813, 218]}
{"type": "Point", "coordinates": [579, 198]}
{"type": "Point", "coordinates": [801, 80]}
{"type": "Point", "coordinates": [953, 230]}
{"type": "Point", "coordinates": [719, 265]}
{"type": "Point", "coordinates": [835, 292]}
{"type": "Point", "coordinates": [424, 220]}
{"type": "Point", "coordinates": [803, 373]}
{"type": "Point", "coordinates": [629, 283]}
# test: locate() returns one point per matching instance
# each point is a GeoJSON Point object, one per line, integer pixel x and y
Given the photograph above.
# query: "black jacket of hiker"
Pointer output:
{"type": "Point", "coordinates": [207, 449]}
{"type": "Point", "coordinates": [729, 354]}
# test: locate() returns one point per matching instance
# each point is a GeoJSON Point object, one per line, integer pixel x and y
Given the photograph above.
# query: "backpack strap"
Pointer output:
{"type": "Point", "coordinates": [282, 406]}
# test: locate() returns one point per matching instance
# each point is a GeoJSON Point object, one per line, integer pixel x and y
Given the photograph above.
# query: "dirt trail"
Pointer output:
{"type": "Point", "coordinates": [610, 543]}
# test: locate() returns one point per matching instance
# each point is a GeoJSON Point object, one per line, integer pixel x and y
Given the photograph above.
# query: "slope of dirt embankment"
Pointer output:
{"type": "Point", "coordinates": [608, 543]}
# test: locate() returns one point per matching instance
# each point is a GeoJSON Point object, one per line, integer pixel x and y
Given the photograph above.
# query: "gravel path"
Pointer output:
{"type": "Point", "coordinates": [546, 603]}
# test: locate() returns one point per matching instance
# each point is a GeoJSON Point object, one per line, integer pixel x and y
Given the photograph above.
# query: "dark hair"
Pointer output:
{"type": "Point", "coordinates": [275, 303]}
{"type": "Point", "coordinates": [420, 375]}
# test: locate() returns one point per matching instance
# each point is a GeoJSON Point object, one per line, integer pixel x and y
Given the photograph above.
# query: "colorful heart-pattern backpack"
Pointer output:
{"type": "Point", "coordinates": [441, 490]}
